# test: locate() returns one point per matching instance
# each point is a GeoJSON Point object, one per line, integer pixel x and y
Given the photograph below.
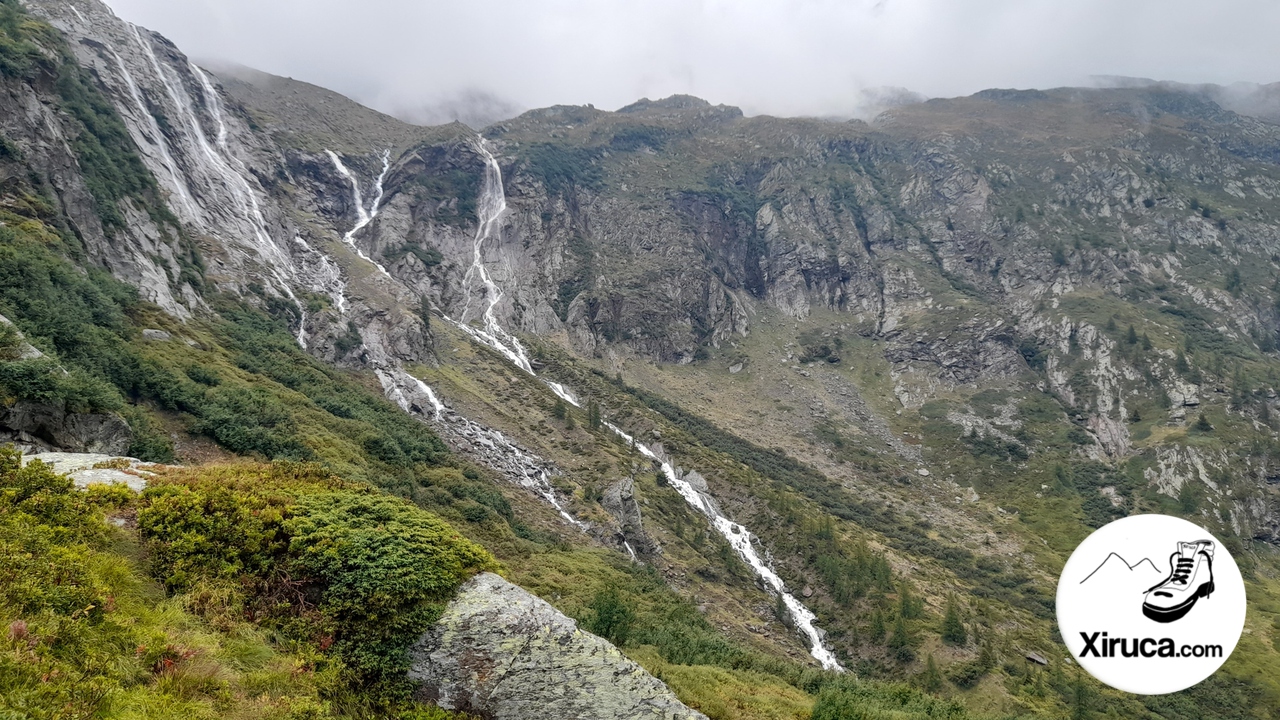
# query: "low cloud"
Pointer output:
{"type": "Point", "coordinates": [478, 60]}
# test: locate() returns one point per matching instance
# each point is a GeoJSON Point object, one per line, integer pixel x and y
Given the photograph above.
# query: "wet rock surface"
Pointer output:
{"type": "Point", "coordinates": [504, 654]}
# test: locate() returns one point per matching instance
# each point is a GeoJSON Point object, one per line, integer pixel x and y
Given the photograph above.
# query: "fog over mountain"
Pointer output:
{"type": "Point", "coordinates": [478, 61]}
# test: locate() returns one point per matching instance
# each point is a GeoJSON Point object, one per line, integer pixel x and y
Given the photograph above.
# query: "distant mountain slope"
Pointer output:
{"type": "Point", "coordinates": [300, 114]}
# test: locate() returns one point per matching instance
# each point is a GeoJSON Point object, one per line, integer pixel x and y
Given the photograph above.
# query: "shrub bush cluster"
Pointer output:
{"type": "Point", "coordinates": [335, 563]}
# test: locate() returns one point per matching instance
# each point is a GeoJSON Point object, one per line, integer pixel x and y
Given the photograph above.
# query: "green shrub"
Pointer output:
{"type": "Point", "coordinates": [953, 630]}
{"type": "Point", "coordinates": [332, 561]}
{"type": "Point", "coordinates": [386, 568]}
{"type": "Point", "coordinates": [850, 699]}
{"type": "Point", "coordinates": [967, 674]}
{"type": "Point", "coordinates": [611, 616]}
{"type": "Point", "coordinates": [563, 168]}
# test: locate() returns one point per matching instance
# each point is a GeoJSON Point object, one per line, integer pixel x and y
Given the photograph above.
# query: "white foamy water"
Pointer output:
{"type": "Point", "coordinates": [741, 540]}
{"type": "Point", "coordinates": [363, 217]}
{"type": "Point", "coordinates": [220, 166]}
{"type": "Point", "coordinates": [191, 212]}
{"type": "Point", "coordinates": [323, 274]}
{"type": "Point", "coordinates": [410, 393]}
{"type": "Point", "coordinates": [396, 383]}
{"type": "Point", "coordinates": [493, 203]}
{"type": "Point", "coordinates": [491, 207]}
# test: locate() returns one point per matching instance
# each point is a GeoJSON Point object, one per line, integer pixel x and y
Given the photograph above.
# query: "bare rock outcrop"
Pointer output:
{"type": "Point", "coordinates": [504, 654]}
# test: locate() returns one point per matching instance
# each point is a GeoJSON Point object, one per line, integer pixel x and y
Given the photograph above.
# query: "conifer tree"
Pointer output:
{"type": "Point", "coordinates": [953, 631]}
{"type": "Point", "coordinates": [931, 678]}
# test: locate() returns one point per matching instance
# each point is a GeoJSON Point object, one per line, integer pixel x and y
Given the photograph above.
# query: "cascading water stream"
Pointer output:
{"type": "Point", "coordinates": [219, 164]}
{"type": "Point", "coordinates": [363, 217]}
{"type": "Point", "coordinates": [400, 386]}
{"type": "Point", "coordinates": [492, 205]}
{"type": "Point", "coordinates": [179, 184]}
{"type": "Point", "coordinates": [741, 540]}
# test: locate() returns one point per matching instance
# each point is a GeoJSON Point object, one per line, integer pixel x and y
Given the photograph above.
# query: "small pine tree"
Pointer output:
{"type": "Point", "coordinates": [1135, 416]}
{"type": "Point", "coordinates": [1234, 281]}
{"type": "Point", "coordinates": [593, 415]}
{"type": "Point", "coordinates": [931, 678]}
{"type": "Point", "coordinates": [953, 631]}
{"type": "Point", "coordinates": [1080, 698]}
{"type": "Point", "coordinates": [1146, 341]}
{"type": "Point", "coordinates": [1059, 255]}
{"type": "Point", "coordinates": [987, 658]}
{"type": "Point", "coordinates": [560, 410]}
{"type": "Point", "coordinates": [909, 606]}
{"type": "Point", "coordinates": [569, 424]}
{"type": "Point", "coordinates": [1181, 365]}
{"type": "Point", "coordinates": [877, 626]}
{"type": "Point", "coordinates": [1132, 337]}
{"type": "Point", "coordinates": [900, 642]}
{"type": "Point", "coordinates": [1203, 424]}
{"type": "Point", "coordinates": [1111, 324]}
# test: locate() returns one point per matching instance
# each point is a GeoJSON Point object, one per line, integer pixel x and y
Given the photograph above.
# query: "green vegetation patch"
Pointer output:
{"type": "Point", "coordinates": [84, 633]}
{"type": "Point", "coordinates": [338, 564]}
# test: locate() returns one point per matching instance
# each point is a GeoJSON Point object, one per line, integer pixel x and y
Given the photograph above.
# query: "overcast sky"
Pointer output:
{"type": "Point", "coordinates": [783, 57]}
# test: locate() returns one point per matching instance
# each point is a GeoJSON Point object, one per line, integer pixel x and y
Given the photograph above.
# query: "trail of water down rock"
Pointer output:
{"type": "Point", "coordinates": [364, 217]}
{"type": "Point", "coordinates": [492, 205]}
{"type": "Point", "coordinates": [218, 162]}
{"type": "Point", "coordinates": [528, 470]}
{"type": "Point", "coordinates": [320, 274]}
{"type": "Point", "coordinates": [400, 386]}
{"type": "Point", "coordinates": [179, 183]}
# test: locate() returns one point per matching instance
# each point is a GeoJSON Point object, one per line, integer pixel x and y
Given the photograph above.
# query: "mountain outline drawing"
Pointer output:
{"type": "Point", "coordinates": [1128, 566]}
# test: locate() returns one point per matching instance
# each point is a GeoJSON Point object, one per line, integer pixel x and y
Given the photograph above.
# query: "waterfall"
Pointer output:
{"type": "Point", "coordinates": [493, 203]}
{"type": "Point", "coordinates": [396, 381]}
{"type": "Point", "coordinates": [364, 217]}
{"type": "Point", "coordinates": [325, 276]}
{"type": "Point", "coordinates": [217, 163]}
{"type": "Point", "coordinates": [491, 207]}
{"type": "Point", "coordinates": [408, 391]}
{"type": "Point", "coordinates": [741, 540]}
{"type": "Point", "coordinates": [160, 141]}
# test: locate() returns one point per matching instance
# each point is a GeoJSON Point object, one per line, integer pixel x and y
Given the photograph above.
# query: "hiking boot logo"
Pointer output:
{"type": "Point", "coordinates": [1190, 578]}
{"type": "Point", "coordinates": [1142, 620]}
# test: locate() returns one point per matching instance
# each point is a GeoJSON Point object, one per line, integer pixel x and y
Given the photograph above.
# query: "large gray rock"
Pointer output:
{"type": "Point", "coordinates": [502, 653]}
{"type": "Point", "coordinates": [87, 469]}
{"type": "Point", "coordinates": [39, 427]}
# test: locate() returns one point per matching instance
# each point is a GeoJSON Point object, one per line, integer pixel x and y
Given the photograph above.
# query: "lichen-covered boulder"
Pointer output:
{"type": "Point", "coordinates": [504, 654]}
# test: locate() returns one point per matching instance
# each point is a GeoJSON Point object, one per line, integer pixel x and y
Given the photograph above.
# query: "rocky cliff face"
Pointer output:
{"type": "Point", "coordinates": [504, 654]}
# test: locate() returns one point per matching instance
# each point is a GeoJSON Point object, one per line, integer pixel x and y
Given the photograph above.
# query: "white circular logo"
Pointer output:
{"type": "Point", "coordinates": [1151, 604]}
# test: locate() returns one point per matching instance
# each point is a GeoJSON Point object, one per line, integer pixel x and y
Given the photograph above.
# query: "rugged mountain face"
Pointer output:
{"type": "Point", "coordinates": [814, 376]}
